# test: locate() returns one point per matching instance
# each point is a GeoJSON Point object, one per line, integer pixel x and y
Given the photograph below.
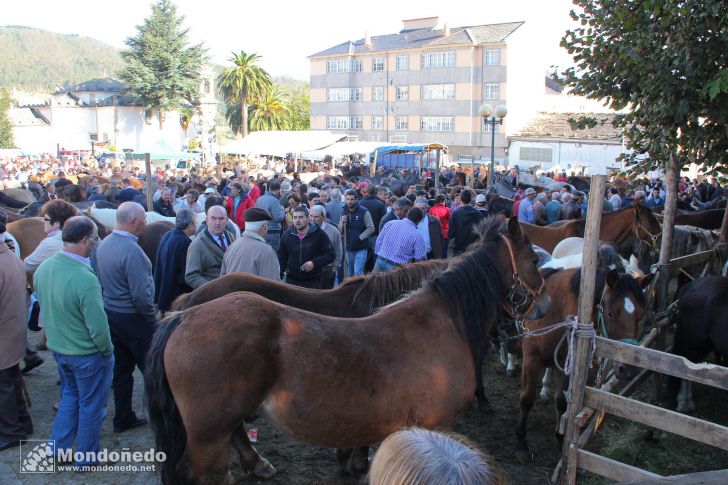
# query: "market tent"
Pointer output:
{"type": "Point", "coordinates": [344, 148]}
{"type": "Point", "coordinates": [162, 150]}
{"type": "Point", "coordinates": [281, 143]}
{"type": "Point", "coordinates": [409, 156]}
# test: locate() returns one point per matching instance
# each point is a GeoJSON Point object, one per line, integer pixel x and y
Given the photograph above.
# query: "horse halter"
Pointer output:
{"type": "Point", "coordinates": [639, 227]}
{"type": "Point", "coordinates": [519, 286]}
{"type": "Point", "coordinates": [602, 321]}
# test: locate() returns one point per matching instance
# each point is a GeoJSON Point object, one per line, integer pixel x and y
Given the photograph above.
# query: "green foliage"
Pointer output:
{"type": "Point", "coordinates": [298, 100]}
{"type": "Point", "coordinates": [41, 61]}
{"type": "Point", "coordinates": [662, 61]}
{"type": "Point", "coordinates": [270, 111]}
{"type": "Point", "coordinates": [241, 84]}
{"type": "Point", "coordinates": [6, 128]}
{"type": "Point", "coordinates": [161, 70]}
{"type": "Point", "coordinates": [185, 117]}
{"type": "Point", "coordinates": [194, 144]}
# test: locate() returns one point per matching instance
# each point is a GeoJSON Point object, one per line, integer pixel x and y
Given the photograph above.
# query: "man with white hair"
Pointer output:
{"type": "Point", "coordinates": [569, 209]}
{"type": "Point", "coordinates": [553, 208]}
{"type": "Point", "coordinates": [126, 279]}
{"type": "Point", "coordinates": [539, 209]}
{"type": "Point", "coordinates": [334, 207]}
{"type": "Point", "coordinates": [205, 254]}
{"type": "Point", "coordinates": [251, 253]}
{"type": "Point", "coordinates": [317, 215]}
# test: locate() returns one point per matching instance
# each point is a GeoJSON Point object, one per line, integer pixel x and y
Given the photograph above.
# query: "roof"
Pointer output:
{"type": "Point", "coordinates": [556, 125]}
{"type": "Point", "coordinates": [426, 37]}
{"type": "Point", "coordinates": [103, 84]}
{"type": "Point", "coordinates": [282, 142]}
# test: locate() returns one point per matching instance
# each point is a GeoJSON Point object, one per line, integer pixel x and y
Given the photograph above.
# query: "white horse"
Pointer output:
{"type": "Point", "coordinates": [107, 217]}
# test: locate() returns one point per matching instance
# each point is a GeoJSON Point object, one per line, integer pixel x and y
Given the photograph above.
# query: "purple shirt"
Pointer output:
{"type": "Point", "coordinates": [400, 242]}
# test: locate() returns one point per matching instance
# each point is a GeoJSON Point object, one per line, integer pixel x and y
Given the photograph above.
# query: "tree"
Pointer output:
{"type": "Point", "coordinates": [185, 118]}
{"type": "Point", "coordinates": [240, 84]}
{"type": "Point", "coordinates": [161, 70]}
{"type": "Point", "coordinates": [299, 107]}
{"type": "Point", "coordinates": [270, 111]}
{"type": "Point", "coordinates": [662, 60]}
{"type": "Point", "coordinates": [6, 127]}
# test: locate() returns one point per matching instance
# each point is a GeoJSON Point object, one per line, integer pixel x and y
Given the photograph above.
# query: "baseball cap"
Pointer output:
{"type": "Point", "coordinates": [480, 199]}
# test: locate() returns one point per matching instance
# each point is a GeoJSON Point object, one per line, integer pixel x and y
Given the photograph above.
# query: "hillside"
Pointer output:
{"type": "Point", "coordinates": [41, 61]}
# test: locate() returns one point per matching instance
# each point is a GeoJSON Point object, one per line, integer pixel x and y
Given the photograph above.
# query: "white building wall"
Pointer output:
{"type": "Point", "coordinates": [568, 156]}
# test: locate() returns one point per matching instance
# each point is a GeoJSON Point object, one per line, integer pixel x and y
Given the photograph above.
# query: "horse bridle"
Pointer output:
{"type": "Point", "coordinates": [639, 227]}
{"type": "Point", "coordinates": [603, 321]}
{"type": "Point", "coordinates": [519, 286]}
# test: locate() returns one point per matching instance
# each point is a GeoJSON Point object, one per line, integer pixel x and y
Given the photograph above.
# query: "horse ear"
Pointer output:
{"type": "Point", "coordinates": [612, 278]}
{"type": "Point", "coordinates": [644, 280]}
{"type": "Point", "coordinates": [514, 229]}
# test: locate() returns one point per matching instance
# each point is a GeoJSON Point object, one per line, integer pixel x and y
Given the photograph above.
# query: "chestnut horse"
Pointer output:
{"type": "Point", "coordinates": [331, 382]}
{"type": "Point", "coordinates": [622, 228]}
{"type": "Point", "coordinates": [619, 305]}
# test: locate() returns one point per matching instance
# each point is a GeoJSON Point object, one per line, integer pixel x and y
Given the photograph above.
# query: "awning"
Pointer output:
{"type": "Point", "coordinates": [280, 143]}
{"type": "Point", "coordinates": [162, 150]}
{"type": "Point", "coordinates": [344, 148]}
{"type": "Point", "coordinates": [410, 156]}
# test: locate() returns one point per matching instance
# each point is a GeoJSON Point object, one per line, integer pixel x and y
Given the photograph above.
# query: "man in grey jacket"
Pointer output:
{"type": "Point", "coordinates": [204, 256]}
{"type": "Point", "coordinates": [317, 215]}
{"type": "Point", "coordinates": [270, 203]}
{"type": "Point", "coordinates": [128, 291]}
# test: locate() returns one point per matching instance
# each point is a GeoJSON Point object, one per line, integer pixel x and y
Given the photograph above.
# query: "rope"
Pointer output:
{"type": "Point", "coordinates": [590, 333]}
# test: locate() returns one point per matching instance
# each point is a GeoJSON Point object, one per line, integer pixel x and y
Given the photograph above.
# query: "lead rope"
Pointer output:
{"type": "Point", "coordinates": [573, 322]}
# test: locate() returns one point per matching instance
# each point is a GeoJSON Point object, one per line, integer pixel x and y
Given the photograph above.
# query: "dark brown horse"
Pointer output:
{"type": "Point", "coordinates": [331, 382]}
{"type": "Point", "coordinates": [620, 228]}
{"type": "Point", "coordinates": [151, 236]}
{"type": "Point", "coordinates": [619, 305]}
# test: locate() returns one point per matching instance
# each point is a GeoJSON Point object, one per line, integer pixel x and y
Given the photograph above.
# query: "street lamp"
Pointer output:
{"type": "Point", "coordinates": [486, 111]}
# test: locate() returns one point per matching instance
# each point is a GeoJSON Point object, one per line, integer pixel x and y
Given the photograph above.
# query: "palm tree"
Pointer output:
{"type": "Point", "coordinates": [242, 83]}
{"type": "Point", "coordinates": [270, 112]}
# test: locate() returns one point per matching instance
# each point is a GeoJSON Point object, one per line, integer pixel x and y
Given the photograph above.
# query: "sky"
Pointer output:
{"type": "Point", "coordinates": [286, 32]}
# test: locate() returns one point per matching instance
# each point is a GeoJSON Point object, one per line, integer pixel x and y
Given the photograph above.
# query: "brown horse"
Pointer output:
{"type": "Point", "coordinates": [622, 228]}
{"type": "Point", "coordinates": [151, 236]}
{"type": "Point", "coordinates": [331, 382]}
{"type": "Point", "coordinates": [30, 231]}
{"type": "Point", "coordinates": [619, 305]}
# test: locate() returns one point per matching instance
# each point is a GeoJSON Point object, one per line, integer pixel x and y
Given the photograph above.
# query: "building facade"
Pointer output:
{"type": "Point", "coordinates": [425, 85]}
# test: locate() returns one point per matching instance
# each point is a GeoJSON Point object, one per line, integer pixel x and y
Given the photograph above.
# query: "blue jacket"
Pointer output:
{"type": "Point", "coordinates": [169, 268]}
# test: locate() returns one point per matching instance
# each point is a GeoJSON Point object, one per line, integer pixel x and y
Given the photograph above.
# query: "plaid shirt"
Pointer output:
{"type": "Point", "coordinates": [400, 242]}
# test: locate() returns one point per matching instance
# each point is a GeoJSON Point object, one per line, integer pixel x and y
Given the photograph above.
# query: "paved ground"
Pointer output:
{"type": "Point", "coordinates": [41, 383]}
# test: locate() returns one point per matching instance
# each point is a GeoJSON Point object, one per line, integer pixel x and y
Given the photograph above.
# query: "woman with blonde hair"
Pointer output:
{"type": "Point", "coordinates": [418, 456]}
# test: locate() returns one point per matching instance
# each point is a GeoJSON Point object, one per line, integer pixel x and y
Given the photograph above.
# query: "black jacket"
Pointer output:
{"type": "Point", "coordinates": [390, 216]}
{"type": "Point", "coordinates": [462, 227]}
{"type": "Point", "coordinates": [169, 269]}
{"type": "Point", "coordinates": [293, 252]}
{"type": "Point", "coordinates": [376, 208]}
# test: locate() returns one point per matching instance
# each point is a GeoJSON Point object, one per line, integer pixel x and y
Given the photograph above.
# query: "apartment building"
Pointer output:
{"type": "Point", "coordinates": [425, 84]}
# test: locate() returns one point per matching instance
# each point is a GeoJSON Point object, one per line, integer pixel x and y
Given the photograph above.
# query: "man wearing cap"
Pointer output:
{"type": "Point", "coordinates": [270, 203]}
{"type": "Point", "coordinates": [251, 253]}
{"type": "Point", "coordinates": [525, 209]}
{"type": "Point", "coordinates": [480, 200]}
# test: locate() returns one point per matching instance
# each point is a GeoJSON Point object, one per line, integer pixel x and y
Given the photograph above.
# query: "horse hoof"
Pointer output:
{"type": "Point", "coordinates": [264, 469]}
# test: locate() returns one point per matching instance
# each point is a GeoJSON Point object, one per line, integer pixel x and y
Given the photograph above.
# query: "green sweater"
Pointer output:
{"type": "Point", "coordinates": [72, 308]}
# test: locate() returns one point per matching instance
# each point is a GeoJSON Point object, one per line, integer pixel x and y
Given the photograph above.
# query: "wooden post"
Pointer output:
{"type": "Point", "coordinates": [150, 190]}
{"type": "Point", "coordinates": [672, 173]}
{"type": "Point", "coordinates": [585, 330]}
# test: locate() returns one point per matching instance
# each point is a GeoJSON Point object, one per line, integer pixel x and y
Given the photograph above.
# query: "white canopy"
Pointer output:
{"type": "Point", "coordinates": [280, 143]}
{"type": "Point", "coordinates": [342, 148]}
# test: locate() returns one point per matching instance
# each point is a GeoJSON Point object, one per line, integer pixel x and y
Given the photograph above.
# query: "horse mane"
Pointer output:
{"type": "Point", "coordinates": [471, 288]}
{"type": "Point", "coordinates": [626, 286]}
{"type": "Point", "coordinates": [389, 286]}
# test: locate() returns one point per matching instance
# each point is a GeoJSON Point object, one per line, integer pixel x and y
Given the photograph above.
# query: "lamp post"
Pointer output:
{"type": "Point", "coordinates": [486, 111]}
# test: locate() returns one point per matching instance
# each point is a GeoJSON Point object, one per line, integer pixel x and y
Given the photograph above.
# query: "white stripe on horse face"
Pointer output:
{"type": "Point", "coordinates": [628, 305]}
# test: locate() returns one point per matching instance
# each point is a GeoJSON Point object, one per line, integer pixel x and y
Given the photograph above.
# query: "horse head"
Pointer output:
{"type": "Point", "coordinates": [621, 310]}
{"type": "Point", "coordinates": [646, 227]}
{"type": "Point", "coordinates": [524, 281]}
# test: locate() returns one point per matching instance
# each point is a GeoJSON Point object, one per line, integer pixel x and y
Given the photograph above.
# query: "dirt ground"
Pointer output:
{"type": "Point", "coordinates": [296, 462]}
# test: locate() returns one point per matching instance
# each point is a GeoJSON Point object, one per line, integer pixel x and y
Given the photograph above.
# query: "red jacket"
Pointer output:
{"type": "Point", "coordinates": [442, 213]}
{"type": "Point", "coordinates": [238, 218]}
{"type": "Point", "coordinates": [254, 193]}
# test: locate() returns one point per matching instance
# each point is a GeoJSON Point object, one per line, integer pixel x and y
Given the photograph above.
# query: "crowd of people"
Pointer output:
{"type": "Point", "coordinates": [312, 235]}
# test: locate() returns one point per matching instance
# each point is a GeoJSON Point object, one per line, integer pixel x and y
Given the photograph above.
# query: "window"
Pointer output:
{"type": "Point", "coordinates": [378, 93]}
{"type": "Point", "coordinates": [491, 57]}
{"type": "Point", "coordinates": [377, 64]}
{"type": "Point", "coordinates": [438, 59]}
{"type": "Point", "coordinates": [402, 63]}
{"type": "Point", "coordinates": [343, 122]}
{"type": "Point", "coordinates": [344, 94]}
{"type": "Point", "coordinates": [402, 93]}
{"type": "Point", "coordinates": [438, 91]}
{"type": "Point", "coordinates": [437, 123]}
{"type": "Point", "coordinates": [491, 91]}
{"type": "Point", "coordinates": [531, 154]}
{"type": "Point", "coordinates": [488, 127]}
{"type": "Point", "coordinates": [377, 122]}
{"type": "Point", "coordinates": [343, 65]}
{"type": "Point", "coordinates": [401, 123]}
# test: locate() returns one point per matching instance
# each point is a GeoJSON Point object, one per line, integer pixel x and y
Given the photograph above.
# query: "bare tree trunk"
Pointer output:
{"type": "Point", "coordinates": [162, 116]}
{"type": "Point", "coordinates": [244, 116]}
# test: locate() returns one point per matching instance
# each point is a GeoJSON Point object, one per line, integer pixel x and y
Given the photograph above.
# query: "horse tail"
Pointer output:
{"type": "Point", "coordinates": [164, 416]}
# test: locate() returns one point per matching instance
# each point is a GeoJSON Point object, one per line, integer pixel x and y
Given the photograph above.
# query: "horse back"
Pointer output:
{"type": "Point", "coordinates": [703, 318]}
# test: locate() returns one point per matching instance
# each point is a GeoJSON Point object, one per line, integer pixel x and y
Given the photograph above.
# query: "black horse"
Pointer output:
{"type": "Point", "coordinates": [702, 328]}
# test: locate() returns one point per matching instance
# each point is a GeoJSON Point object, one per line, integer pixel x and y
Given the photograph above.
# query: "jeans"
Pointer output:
{"type": "Point", "coordinates": [380, 266]}
{"type": "Point", "coordinates": [85, 387]}
{"type": "Point", "coordinates": [355, 262]}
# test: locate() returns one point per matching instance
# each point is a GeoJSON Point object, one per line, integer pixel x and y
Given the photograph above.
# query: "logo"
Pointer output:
{"type": "Point", "coordinates": [37, 456]}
